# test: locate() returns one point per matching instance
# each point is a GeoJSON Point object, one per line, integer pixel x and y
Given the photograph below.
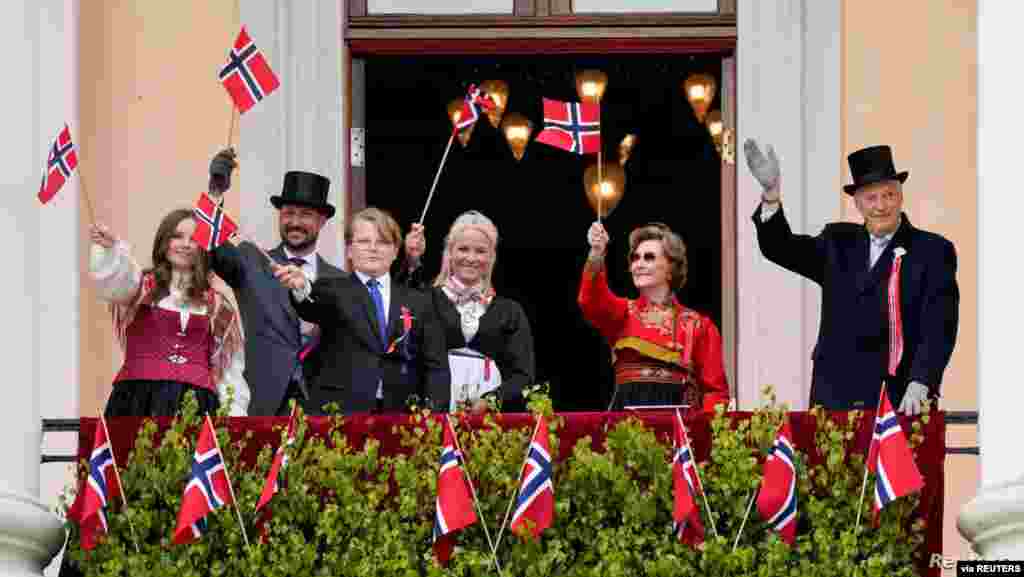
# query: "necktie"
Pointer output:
{"type": "Point", "coordinates": [297, 261]}
{"type": "Point", "coordinates": [378, 303]}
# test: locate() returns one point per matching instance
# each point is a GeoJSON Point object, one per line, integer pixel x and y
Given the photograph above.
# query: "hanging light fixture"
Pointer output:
{"type": "Point", "coordinates": [605, 191]}
{"type": "Point", "coordinates": [699, 90]}
{"type": "Point", "coordinates": [498, 91]}
{"type": "Point", "coordinates": [454, 114]}
{"type": "Point", "coordinates": [590, 85]}
{"type": "Point", "coordinates": [517, 129]}
{"type": "Point", "coordinates": [715, 127]}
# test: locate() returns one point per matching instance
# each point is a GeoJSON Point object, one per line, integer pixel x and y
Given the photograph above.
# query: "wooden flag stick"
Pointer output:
{"type": "Point", "coordinates": [746, 515]}
{"type": "Point", "coordinates": [438, 175]}
{"type": "Point", "coordinates": [696, 471]}
{"type": "Point", "coordinates": [85, 193]}
{"type": "Point", "coordinates": [476, 501]}
{"type": "Point", "coordinates": [518, 483]}
{"type": "Point", "coordinates": [227, 476]}
{"type": "Point", "coordinates": [120, 485]}
{"type": "Point", "coordinates": [867, 466]}
{"type": "Point", "coordinates": [231, 127]}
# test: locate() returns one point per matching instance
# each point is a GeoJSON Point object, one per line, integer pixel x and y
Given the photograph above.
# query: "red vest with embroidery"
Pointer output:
{"type": "Point", "coordinates": [156, 349]}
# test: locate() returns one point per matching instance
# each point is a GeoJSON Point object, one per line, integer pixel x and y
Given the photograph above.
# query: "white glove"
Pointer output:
{"type": "Point", "coordinates": [765, 168]}
{"type": "Point", "coordinates": [913, 399]}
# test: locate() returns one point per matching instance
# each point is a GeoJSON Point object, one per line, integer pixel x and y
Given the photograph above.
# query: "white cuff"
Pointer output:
{"type": "Point", "coordinates": [769, 209]}
{"type": "Point", "coordinates": [302, 294]}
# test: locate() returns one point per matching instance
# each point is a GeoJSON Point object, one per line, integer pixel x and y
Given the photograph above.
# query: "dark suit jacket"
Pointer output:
{"type": "Point", "coordinates": [353, 360]}
{"type": "Point", "coordinates": [851, 354]}
{"type": "Point", "coordinates": [272, 338]}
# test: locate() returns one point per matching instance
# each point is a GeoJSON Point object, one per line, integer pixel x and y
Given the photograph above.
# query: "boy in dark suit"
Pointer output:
{"type": "Point", "coordinates": [379, 340]}
{"type": "Point", "coordinates": [890, 301]}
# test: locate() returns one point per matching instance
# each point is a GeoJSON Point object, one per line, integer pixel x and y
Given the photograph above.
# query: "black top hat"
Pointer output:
{"type": "Point", "coordinates": [304, 189]}
{"type": "Point", "coordinates": [870, 165]}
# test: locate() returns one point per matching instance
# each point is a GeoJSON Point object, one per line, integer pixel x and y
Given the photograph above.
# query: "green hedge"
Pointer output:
{"type": "Point", "coordinates": [358, 512]}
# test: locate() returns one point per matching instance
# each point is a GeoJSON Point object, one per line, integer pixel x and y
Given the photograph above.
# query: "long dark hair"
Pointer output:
{"type": "Point", "coordinates": [162, 267]}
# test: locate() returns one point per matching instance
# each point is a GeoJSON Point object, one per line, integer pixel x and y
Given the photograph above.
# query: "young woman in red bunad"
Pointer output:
{"type": "Point", "coordinates": [663, 353]}
{"type": "Point", "coordinates": [176, 323]}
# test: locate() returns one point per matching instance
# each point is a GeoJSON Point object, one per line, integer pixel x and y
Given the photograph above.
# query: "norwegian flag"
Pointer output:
{"type": "Point", "coordinates": [208, 487]}
{"type": "Point", "coordinates": [247, 76]}
{"type": "Point", "coordinates": [776, 499]}
{"type": "Point", "coordinates": [687, 525]}
{"type": "Point", "coordinates": [60, 163]}
{"type": "Point", "coordinates": [98, 488]}
{"type": "Point", "coordinates": [471, 105]}
{"type": "Point", "coordinates": [572, 126]}
{"type": "Point", "coordinates": [454, 502]}
{"type": "Point", "coordinates": [536, 501]}
{"type": "Point", "coordinates": [213, 225]}
{"type": "Point", "coordinates": [273, 484]}
{"type": "Point", "coordinates": [890, 458]}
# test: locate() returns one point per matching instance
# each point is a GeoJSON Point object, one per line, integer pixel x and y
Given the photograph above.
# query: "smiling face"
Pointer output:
{"type": "Point", "coordinates": [181, 249]}
{"type": "Point", "coordinates": [649, 265]}
{"type": "Point", "coordinates": [880, 204]}
{"type": "Point", "coordinates": [471, 256]}
{"type": "Point", "coordinates": [300, 227]}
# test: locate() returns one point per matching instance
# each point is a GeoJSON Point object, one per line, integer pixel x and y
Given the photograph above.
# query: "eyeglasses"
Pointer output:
{"type": "Point", "coordinates": [367, 244]}
{"type": "Point", "coordinates": [647, 256]}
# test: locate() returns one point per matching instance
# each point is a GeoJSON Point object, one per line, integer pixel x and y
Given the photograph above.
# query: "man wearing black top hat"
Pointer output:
{"type": "Point", "coordinates": [890, 301]}
{"type": "Point", "coordinates": [276, 341]}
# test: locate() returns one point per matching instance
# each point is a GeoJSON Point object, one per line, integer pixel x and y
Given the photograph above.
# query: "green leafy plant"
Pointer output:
{"type": "Point", "coordinates": [356, 511]}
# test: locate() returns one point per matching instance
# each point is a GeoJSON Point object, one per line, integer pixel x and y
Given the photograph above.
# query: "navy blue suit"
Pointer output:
{"type": "Point", "coordinates": [353, 359]}
{"type": "Point", "coordinates": [851, 354]}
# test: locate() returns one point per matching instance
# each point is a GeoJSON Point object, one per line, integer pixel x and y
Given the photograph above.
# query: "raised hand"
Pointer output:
{"type": "Point", "coordinates": [220, 171]}
{"type": "Point", "coordinates": [415, 242]}
{"type": "Point", "coordinates": [102, 236]}
{"type": "Point", "coordinates": [290, 276]}
{"type": "Point", "coordinates": [598, 238]}
{"type": "Point", "coordinates": [765, 168]}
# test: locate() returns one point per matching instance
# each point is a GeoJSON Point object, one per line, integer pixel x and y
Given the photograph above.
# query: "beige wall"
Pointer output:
{"type": "Point", "coordinates": [152, 113]}
{"type": "Point", "coordinates": [909, 80]}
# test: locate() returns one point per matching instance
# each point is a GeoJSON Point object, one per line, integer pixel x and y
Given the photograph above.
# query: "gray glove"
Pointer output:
{"type": "Point", "coordinates": [913, 400]}
{"type": "Point", "coordinates": [220, 171]}
{"type": "Point", "coordinates": [765, 168]}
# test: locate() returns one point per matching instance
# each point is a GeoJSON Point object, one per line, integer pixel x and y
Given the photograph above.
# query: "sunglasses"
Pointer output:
{"type": "Point", "coordinates": [647, 256]}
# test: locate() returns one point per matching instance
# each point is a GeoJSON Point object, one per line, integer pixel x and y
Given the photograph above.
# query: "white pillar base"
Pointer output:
{"type": "Point", "coordinates": [30, 535]}
{"type": "Point", "coordinates": [994, 521]}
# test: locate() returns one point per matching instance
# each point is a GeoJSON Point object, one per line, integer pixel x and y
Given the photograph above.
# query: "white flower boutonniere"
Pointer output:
{"type": "Point", "coordinates": [899, 251]}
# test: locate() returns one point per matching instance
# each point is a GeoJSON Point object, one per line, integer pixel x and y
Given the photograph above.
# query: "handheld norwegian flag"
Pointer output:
{"type": "Point", "coordinates": [454, 503]}
{"type": "Point", "coordinates": [890, 458]}
{"type": "Point", "coordinates": [776, 499]}
{"type": "Point", "coordinates": [213, 225]}
{"type": "Point", "coordinates": [273, 484]}
{"type": "Point", "coordinates": [208, 487]}
{"type": "Point", "coordinates": [687, 525]}
{"type": "Point", "coordinates": [471, 105]}
{"type": "Point", "coordinates": [536, 501]}
{"type": "Point", "coordinates": [98, 488]}
{"type": "Point", "coordinates": [247, 76]}
{"type": "Point", "coordinates": [572, 126]}
{"type": "Point", "coordinates": [60, 163]}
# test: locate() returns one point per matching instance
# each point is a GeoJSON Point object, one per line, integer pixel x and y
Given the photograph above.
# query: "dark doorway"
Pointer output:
{"type": "Point", "coordinates": [538, 204]}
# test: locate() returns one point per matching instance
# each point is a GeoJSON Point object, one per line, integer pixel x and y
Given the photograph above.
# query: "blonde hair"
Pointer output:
{"type": "Point", "coordinates": [671, 244]}
{"type": "Point", "coordinates": [382, 220]}
{"type": "Point", "coordinates": [471, 220]}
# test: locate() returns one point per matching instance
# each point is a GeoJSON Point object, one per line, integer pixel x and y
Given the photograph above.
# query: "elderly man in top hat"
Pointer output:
{"type": "Point", "coordinates": [276, 340]}
{"type": "Point", "coordinates": [890, 301]}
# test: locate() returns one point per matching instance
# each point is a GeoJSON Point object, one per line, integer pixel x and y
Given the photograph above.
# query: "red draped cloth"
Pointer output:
{"type": "Point", "coordinates": [931, 454]}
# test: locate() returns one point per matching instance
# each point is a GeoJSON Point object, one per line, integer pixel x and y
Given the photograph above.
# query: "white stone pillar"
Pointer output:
{"type": "Point", "coordinates": [994, 520]}
{"type": "Point", "coordinates": [788, 63]}
{"type": "Point", "coordinates": [299, 127]}
{"type": "Point", "coordinates": [30, 535]}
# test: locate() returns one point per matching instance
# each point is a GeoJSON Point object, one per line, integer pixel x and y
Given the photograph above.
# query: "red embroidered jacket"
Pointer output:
{"type": "Point", "coordinates": [639, 327]}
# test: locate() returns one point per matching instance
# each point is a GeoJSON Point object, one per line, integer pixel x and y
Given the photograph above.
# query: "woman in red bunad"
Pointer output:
{"type": "Point", "coordinates": [176, 323]}
{"type": "Point", "coordinates": [663, 353]}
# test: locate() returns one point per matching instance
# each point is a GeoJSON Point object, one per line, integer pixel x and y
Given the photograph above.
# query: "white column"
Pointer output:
{"type": "Point", "coordinates": [994, 520]}
{"type": "Point", "coordinates": [29, 534]}
{"type": "Point", "coordinates": [299, 127]}
{"type": "Point", "coordinates": [788, 63]}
